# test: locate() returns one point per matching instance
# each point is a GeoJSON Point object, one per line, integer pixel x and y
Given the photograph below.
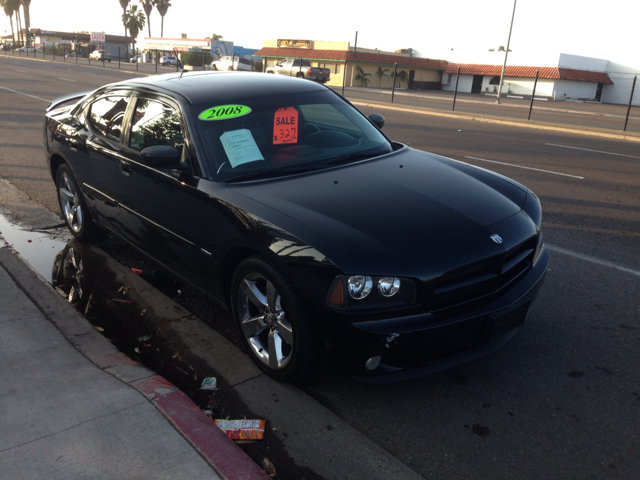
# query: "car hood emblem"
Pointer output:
{"type": "Point", "coordinates": [496, 238]}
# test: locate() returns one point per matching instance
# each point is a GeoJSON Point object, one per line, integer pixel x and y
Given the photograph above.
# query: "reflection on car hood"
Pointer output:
{"type": "Point", "coordinates": [397, 203]}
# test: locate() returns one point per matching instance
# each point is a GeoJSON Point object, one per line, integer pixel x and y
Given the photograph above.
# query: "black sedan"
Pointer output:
{"type": "Point", "coordinates": [332, 245]}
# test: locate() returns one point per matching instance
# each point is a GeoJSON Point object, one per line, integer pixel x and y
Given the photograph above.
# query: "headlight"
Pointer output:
{"type": "Point", "coordinates": [356, 292]}
{"type": "Point", "coordinates": [359, 286]}
{"type": "Point", "coordinates": [388, 286]}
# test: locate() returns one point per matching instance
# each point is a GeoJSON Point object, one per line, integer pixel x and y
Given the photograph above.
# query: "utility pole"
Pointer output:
{"type": "Point", "coordinates": [504, 66]}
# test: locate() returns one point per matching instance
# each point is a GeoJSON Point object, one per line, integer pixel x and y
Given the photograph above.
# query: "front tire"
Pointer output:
{"type": "Point", "coordinates": [72, 205]}
{"type": "Point", "coordinates": [273, 321]}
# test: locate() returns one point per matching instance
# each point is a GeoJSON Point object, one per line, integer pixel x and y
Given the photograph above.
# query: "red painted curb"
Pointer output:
{"type": "Point", "coordinates": [224, 455]}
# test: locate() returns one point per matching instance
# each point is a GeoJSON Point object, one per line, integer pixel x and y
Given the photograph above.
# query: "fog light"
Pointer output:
{"type": "Point", "coordinates": [373, 362]}
{"type": "Point", "coordinates": [359, 286]}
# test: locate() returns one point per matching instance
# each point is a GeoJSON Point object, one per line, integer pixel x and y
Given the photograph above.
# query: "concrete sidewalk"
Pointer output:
{"type": "Point", "coordinates": [72, 406]}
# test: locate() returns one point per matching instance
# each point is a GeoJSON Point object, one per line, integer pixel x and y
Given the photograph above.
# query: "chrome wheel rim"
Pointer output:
{"type": "Point", "coordinates": [263, 321]}
{"type": "Point", "coordinates": [70, 203]}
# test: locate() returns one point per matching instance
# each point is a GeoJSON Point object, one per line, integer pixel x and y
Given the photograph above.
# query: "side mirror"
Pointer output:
{"type": "Point", "coordinates": [161, 156]}
{"type": "Point", "coordinates": [377, 119]}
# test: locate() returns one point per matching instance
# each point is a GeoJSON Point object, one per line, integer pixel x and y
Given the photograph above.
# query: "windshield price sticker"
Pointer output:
{"type": "Point", "coordinates": [285, 126]}
{"type": "Point", "coordinates": [224, 112]}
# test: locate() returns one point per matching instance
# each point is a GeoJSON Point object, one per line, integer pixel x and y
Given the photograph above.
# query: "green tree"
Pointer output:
{"type": "Point", "coordinates": [402, 76]}
{"type": "Point", "coordinates": [124, 4]}
{"type": "Point", "coordinates": [9, 8]}
{"type": "Point", "coordinates": [134, 21]}
{"type": "Point", "coordinates": [162, 6]}
{"type": "Point", "coordinates": [362, 77]}
{"type": "Point", "coordinates": [380, 73]}
{"type": "Point", "coordinates": [147, 6]}
{"type": "Point", "coordinates": [215, 36]}
{"type": "Point", "coordinates": [183, 35]}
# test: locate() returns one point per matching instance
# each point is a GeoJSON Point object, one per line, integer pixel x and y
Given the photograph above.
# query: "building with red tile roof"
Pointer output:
{"type": "Point", "coordinates": [364, 67]}
{"type": "Point", "coordinates": [554, 83]}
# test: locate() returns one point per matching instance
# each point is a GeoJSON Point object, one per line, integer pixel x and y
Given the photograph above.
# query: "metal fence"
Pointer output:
{"type": "Point", "coordinates": [135, 60]}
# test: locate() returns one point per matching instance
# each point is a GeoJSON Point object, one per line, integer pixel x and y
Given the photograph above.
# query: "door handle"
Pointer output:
{"type": "Point", "coordinates": [125, 167]}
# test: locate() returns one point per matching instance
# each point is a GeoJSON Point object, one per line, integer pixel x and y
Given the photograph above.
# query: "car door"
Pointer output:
{"type": "Point", "coordinates": [96, 169]}
{"type": "Point", "coordinates": [158, 205]}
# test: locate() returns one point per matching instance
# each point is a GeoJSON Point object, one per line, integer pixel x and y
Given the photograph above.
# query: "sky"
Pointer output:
{"type": "Point", "coordinates": [461, 31]}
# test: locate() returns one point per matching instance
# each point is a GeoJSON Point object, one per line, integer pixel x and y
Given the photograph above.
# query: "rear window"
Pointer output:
{"type": "Point", "coordinates": [244, 61]}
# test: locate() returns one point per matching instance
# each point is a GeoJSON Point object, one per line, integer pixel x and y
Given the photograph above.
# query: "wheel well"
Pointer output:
{"type": "Point", "coordinates": [231, 262]}
{"type": "Point", "coordinates": [55, 163]}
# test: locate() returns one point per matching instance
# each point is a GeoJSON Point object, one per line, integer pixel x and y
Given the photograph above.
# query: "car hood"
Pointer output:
{"type": "Point", "coordinates": [393, 204]}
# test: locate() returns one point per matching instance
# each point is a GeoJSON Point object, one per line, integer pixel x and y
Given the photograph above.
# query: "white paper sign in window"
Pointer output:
{"type": "Point", "coordinates": [240, 147]}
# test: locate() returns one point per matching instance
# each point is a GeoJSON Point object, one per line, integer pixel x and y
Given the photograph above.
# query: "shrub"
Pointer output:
{"type": "Point", "coordinates": [195, 58]}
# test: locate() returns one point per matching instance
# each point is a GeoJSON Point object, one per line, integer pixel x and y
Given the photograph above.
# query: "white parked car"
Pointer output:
{"type": "Point", "coordinates": [232, 63]}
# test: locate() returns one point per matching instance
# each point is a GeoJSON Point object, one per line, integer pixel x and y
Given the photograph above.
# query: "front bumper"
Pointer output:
{"type": "Point", "coordinates": [422, 344]}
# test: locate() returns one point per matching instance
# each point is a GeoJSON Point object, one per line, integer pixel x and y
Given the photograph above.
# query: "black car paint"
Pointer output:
{"type": "Point", "coordinates": [313, 237]}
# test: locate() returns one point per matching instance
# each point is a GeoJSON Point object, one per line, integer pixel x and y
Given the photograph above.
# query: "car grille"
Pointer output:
{"type": "Point", "coordinates": [481, 281]}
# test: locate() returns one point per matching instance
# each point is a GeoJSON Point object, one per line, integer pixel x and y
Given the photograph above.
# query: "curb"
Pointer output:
{"type": "Point", "coordinates": [222, 454]}
{"type": "Point", "coordinates": [615, 136]}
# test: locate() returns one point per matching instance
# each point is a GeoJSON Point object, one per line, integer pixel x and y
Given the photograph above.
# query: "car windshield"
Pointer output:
{"type": "Point", "coordinates": [269, 136]}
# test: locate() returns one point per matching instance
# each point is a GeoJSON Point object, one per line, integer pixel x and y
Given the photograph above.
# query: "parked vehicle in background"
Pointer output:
{"type": "Point", "coordinates": [136, 59]}
{"type": "Point", "coordinates": [168, 60]}
{"type": "Point", "coordinates": [74, 54]}
{"type": "Point", "coordinates": [232, 63]}
{"type": "Point", "coordinates": [101, 55]}
{"type": "Point", "coordinates": [297, 67]}
{"type": "Point", "coordinates": [28, 49]}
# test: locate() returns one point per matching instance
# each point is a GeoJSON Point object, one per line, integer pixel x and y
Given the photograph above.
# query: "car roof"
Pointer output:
{"type": "Point", "coordinates": [199, 87]}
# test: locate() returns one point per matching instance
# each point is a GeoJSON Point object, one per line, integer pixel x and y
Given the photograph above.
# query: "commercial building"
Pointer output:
{"type": "Point", "coordinates": [358, 67]}
{"type": "Point", "coordinates": [85, 41]}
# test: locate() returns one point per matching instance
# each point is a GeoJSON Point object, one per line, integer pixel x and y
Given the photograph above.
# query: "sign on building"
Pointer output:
{"type": "Point", "coordinates": [287, 43]}
{"type": "Point", "coordinates": [97, 37]}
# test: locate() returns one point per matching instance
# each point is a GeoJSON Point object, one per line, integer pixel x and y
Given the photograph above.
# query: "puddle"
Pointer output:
{"type": "Point", "coordinates": [38, 248]}
{"type": "Point", "coordinates": [82, 276]}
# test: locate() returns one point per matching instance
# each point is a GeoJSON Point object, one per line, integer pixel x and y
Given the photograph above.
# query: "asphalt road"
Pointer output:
{"type": "Point", "coordinates": [562, 399]}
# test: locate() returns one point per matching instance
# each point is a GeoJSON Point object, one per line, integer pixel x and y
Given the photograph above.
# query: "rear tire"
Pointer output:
{"type": "Point", "coordinates": [72, 205]}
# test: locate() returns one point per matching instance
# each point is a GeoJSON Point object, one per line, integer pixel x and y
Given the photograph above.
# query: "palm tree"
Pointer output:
{"type": "Point", "coordinates": [402, 76]}
{"type": "Point", "coordinates": [134, 20]}
{"type": "Point", "coordinates": [124, 4]}
{"type": "Point", "coordinates": [9, 8]}
{"type": "Point", "coordinates": [215, 36]}
{"type": "Point", "coordinates": [380, 73]}
{"type": "Point", "coordinates": [147, 5]}
{"type": "Point", "coordinates": [162, 6]}
{"type": "Point", "coordinates": [362, 77]}
{"type": "Point", "coordinates": [27, 20]}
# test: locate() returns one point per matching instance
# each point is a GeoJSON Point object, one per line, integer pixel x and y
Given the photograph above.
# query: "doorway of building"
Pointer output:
{"type": "Point", "coordinates": [412, 74]}
{"type": "Point", "coordinates": [476, 86]}
{"type": "Point", "coordinates": [599, 91]}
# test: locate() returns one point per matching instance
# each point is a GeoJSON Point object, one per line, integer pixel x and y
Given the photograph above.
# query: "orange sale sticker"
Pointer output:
{"type": "Point", "coordinates": [285, 126]}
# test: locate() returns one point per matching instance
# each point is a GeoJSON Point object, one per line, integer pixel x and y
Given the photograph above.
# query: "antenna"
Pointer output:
{"type": "Point", "coordinates": [179, 62]}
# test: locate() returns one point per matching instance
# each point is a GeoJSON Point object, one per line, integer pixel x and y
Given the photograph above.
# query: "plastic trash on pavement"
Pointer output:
{"type": "Point", "coordinates": [242, 429]}
{"type": "Point", "coordinates": [209, 383]}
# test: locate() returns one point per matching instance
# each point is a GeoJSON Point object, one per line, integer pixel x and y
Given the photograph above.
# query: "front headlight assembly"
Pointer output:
{"type": "Point", "coordinates": [359, 292]}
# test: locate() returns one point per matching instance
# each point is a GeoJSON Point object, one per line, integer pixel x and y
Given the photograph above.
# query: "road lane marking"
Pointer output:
{"type": "Point", "coordinates": [527, 168]}
{"type": "Point", "coordinates": [21, 71]}
{"type": "Point", "coordinates": [66, 79]}
{"type": "Point", "coordinates": [26, 94]}
{"type": "Point", "coordinates": [589, 258]}
{"type": "Point", "coordinates": [589, 150]}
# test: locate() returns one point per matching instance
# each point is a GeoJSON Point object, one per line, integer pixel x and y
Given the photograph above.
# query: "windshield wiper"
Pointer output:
{"type": "Point", "coordinates": [349, 157]}
{"type": "Point", "coordinates": [276, 172]}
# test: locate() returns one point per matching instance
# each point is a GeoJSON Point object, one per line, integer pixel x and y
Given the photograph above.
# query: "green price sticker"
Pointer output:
{"type": "Point", "coordinates": [224, 112]}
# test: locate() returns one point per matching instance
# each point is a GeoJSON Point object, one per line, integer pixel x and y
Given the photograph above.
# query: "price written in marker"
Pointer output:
{"type": "Point", "coordinates": [285, 126]}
